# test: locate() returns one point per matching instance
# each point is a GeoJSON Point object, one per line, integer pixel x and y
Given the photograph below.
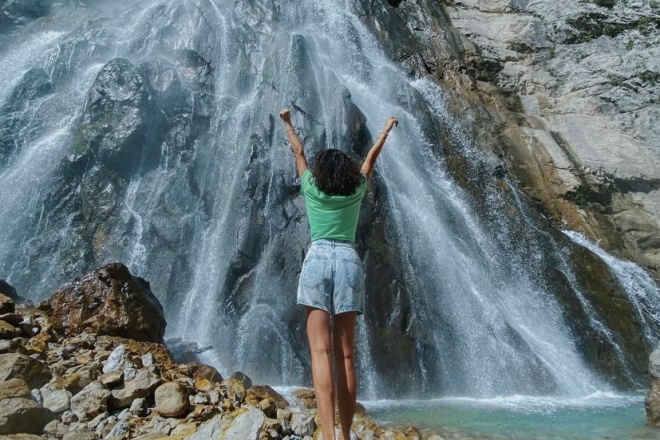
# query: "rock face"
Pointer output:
{"type": "Point", "coordinates": [574, 87]}
{"type": "Point", "coordinates": [109, 301]}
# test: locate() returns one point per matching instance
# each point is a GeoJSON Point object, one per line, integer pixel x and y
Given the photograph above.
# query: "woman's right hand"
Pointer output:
{"type": "Point", "coordinates": [285, 114]}
{"type": "Point", "coordinates": [391, 122]}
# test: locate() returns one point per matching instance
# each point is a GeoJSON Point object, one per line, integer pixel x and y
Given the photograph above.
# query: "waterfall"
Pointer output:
{"type": "Point", "coordinates": [193, 187]}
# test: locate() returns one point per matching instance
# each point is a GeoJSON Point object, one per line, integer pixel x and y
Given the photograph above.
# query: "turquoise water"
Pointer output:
{"type": "Point", "coordinates": [596, 417]}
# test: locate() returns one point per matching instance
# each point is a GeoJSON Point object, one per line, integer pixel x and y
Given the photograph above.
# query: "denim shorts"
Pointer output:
{"type": "Point", "coordinates": [332, 278]}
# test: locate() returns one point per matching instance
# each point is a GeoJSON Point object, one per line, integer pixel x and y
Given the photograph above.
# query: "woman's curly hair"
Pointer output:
{"type": "Point", "coordinates": [336, 174]}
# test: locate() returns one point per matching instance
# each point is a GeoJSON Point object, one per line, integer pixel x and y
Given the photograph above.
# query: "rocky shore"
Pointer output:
{"type": "Point", "coordinates": [91, 363]}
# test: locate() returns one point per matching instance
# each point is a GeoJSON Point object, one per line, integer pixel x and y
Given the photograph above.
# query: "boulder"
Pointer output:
{"type": "Point", "coordinates": [14, 388]}
{"type": "Point", "coordinates": [18, 414]}
{"type": "Point", "coordinates": [142, 385]}
{"type": "Point", "coordinates": [109, 301]}
{"type": "Point", "coordinates": [245, 423]}
{"type": "Point", "coordinates": [171, 400]}
{"type": "Point", "coordinates": [266, 399]}
{"type": "Point", "coordinates": [6, 302]}
{"type": "Point", "coordinates": [90, 401]}
{"type": "Point", "coordinates": [8, 331]}
{"type": "Point", "coordinates": [16, 365]}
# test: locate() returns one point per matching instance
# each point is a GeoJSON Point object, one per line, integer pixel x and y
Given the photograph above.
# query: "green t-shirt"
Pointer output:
{"type": "Point", "coordinates": [331, 217]}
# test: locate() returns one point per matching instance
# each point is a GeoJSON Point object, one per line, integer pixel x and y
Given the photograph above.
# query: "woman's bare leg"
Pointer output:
{"type": "Point", "coordinates": [344, 335]}
{"type": "Point", "coordinates": [320, 345]}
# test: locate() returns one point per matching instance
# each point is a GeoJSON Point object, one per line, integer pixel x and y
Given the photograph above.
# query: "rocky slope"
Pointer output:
{"type": "Point", "coordinates": [91, 364]}
{"type": "Point", "coordinates": [567, 96]}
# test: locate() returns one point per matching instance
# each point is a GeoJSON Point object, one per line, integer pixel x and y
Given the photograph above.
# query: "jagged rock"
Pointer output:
{"type": "Point", "coordinates": [302, 424]}
{"type": "Point", "coordinates": [90, 401]}
{"type": "Point", "coordinates": [109, 301]}
{"type": "Point", "coordinates": [305, 397]}
{"type": "Point", "coordinates": [139, 407]}
{"type": "Point", "coordinates": [15, 365]}
{"type": "Point", "coordinates": [171, 400]}
{"type": "Point", "coordinates": [14, 388]}
{"type": "Point", "coordinates": [56, 429]}
{"type": "Point", "coordinates": [142, 385]}
{"type": "Point", "coordinates": [8, 331]}
{"type": "Point", "coordinates": [245, 423]}
{"type": "Point", "coordinates": [23, 415]}
{"type": "Point", "coordinates": [58, 400]}
{"type": "Point", "coordinates": [266, 399]}
{"type": "Point", "coordinates": [109, 380]}
{"type": "Point", "coordinates": [82, 378]}
{"type": "Point", "coordinates": [117, 360]}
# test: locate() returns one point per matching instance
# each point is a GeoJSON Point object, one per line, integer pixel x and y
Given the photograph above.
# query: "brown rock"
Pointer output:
{"type": "Point", "coordinates": [305, 397]}
{"type": "Point", "coordinates": [266, 399]}
{"type": "Point", "coordinates": [15, 365]}
{"type": "Point", "coordinates": [11, 318]}
{"type": "Point", "coordinates": [200, 371]}
{"type": "Point", "coordinates": [109, 380]}
{"type": "Point", "coordinates": [8, 331]}
{"type": "Point", "coordinates": [6, 304]}
{"type": "Point", "coordinates": [652, 403]}
{"type": "Point", "coordinates": [14, 388]}
{"type": "Point", "coordinates": [171, 400]}
{"type": "Point", "coordinates": [109, 301]}
{"type": "Point", "coordinates": [80, 379]}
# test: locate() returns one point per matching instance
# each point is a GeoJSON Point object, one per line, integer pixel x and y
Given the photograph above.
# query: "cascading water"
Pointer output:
{"type": "Point", "coordinates": [156, 143]}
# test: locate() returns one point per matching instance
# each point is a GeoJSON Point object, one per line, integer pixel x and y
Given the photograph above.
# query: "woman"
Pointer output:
{"type": "Point", "coordinates": [331, 284]}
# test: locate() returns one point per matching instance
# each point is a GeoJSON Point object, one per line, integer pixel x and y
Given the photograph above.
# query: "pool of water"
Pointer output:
{"type": "Point", "coordinates": [599, 416]}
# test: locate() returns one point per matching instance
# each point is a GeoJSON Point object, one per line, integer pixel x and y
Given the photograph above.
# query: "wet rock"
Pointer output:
{"type": "Point", "coordinates": [18, 112]}
{"type": "Point", "coordinates": [109, 301]}
{"type": "Point", "coordinates": [171, 400]}
{"type": "Point", "coordinates": [23, 415]}
{"type": "Point", "coordinates": [32, 371]}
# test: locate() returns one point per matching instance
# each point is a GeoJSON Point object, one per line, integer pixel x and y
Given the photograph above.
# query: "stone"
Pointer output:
{"type": "Point", "coordinates": [109, 301]}
{"type": "Point", "coordinates": [139, 407]}
{"type": "Point", "coordinates": [80, 435]}
{"type": "Point", "coordinates": [265, 398]}
{"type": "Point", "coordinates": [142, 385]}
{"type": "Point", "coordinates": [15, 365]}
{"type": "Point", "coordinates": [302, 424]}
{"type": "Point", "coordinates": [117, 360]}
{"type": "Point", "coordinates": [6, 304]}
{"type": "Point", "coordinates": [245, 423]}
{"type": "Point", "coordinates": [109, 380]}
{"type": "Point", "coordinates": [23, 415]}
{"type": "Point", "coordinates": [654, 364]}
{"type": "Point", "coordinates": [305, 397]}
{"type": "Point", "coordinates": [57, 401]}
{"type": "Point", "coordinates": [8, 331]}
{"type": "Point", "coordinates": [80, 379]}
{"type": "Point", "coordinates": [56, 429]}
{"type": "Point", "coordinates": [90, 401]}
{"type": "Point", "coordinates": [14, 388]}
{"type": "Point", "coordinates": [171, 400]}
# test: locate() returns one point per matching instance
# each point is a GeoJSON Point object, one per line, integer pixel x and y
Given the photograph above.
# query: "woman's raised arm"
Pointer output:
{"type": "Point", "coordinates": [294, 142]}
{"type": "Point", "coordinates": [370, 161]}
